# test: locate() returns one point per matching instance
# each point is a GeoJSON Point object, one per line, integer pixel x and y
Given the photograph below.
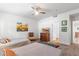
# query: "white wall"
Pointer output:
{"type": "Point", "coordinates": [8, 26]}
{"type": "Point", "coordinates": [64, 36]}
{"type": "Point", "coordinates": [52, 23]}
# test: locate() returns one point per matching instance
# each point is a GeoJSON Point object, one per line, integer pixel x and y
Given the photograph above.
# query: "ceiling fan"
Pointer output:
{"type": "Point", "coordinates": [41, 9]}
{"type": "Point", "coordinates": [38, 10]}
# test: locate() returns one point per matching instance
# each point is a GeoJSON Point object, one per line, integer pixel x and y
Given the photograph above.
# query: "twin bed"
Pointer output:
{"type": "Point", "coordinates": [37, 49]}
{"type": "Point", "coordinates": [34, 49]}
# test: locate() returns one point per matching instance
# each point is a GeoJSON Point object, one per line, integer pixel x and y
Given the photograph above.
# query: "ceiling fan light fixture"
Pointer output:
{"type": "Point", "coordinates": [43, 12]}
{"type": "Point", "coordinates": [36, 12]}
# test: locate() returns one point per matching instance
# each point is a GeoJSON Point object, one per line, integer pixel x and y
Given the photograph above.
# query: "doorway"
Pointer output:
{"type": "Point", "coordinates": [75, 28]}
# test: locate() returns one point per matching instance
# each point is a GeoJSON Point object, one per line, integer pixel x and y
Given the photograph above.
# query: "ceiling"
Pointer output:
{"type": "Point", "coordinates": [25, 10]}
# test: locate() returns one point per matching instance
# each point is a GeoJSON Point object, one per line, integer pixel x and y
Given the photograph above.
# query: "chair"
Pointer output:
{"type": "Point", "coordinates": [31, 36]}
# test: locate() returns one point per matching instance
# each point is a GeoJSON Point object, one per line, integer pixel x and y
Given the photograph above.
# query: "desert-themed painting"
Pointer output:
{"type": "Point", "coordinates": [21, 27]}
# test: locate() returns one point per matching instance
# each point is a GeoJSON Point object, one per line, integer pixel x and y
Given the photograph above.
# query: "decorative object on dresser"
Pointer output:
{"type": "Point", "coordinates": [45, 35]}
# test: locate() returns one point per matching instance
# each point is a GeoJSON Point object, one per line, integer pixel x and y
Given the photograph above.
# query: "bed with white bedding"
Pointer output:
{"type": "Point", "coordinates": [37, 49]}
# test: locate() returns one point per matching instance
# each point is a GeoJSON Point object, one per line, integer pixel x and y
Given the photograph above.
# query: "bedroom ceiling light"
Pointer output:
{"type": "Point", "coordinates": [38, 10]}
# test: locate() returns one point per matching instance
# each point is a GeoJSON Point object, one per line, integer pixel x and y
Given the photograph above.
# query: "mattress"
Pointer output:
{"type": "Point", "coordinates": [37, 49]}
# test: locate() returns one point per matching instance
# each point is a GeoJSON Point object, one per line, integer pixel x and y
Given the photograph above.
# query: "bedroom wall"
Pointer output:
{"type": "Point", "coordinates": [54, 23]}
{"type": "Point", "coordinates": [55, 28]}
{"type": "Point", "coordinates": [8, 26]}
{"type": "Point", "coordinates": [65, 37]}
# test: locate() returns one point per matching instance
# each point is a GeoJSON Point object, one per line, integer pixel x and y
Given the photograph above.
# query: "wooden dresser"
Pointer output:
{"type": "Point", "coordinates": [45, 37]}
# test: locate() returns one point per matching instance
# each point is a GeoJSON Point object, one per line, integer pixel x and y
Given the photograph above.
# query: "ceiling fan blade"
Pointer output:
{"type": "Point", "coordinates": [32, 7]}
{"type": "Point", "coordinates": [37, 10]}
{"type": "Point", "coordinates": [43, 12]}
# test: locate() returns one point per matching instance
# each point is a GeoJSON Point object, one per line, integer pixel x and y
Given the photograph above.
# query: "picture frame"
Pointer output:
{"type": "Point", "coordinates": [77, 28]}
{"type": "Point", "coordinates": [20, 27]}
{"type": "Point", "coordinates": [64, 29]}
{"type": "Point", "coordinates": [64, 23]}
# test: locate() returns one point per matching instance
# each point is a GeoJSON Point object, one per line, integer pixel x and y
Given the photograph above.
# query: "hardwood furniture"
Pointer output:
{"type": "Point", "coordinates": [45, 37]}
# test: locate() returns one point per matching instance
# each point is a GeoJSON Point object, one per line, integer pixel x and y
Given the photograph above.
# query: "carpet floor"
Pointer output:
{"type": "Point", "coordinates": [70, 50]}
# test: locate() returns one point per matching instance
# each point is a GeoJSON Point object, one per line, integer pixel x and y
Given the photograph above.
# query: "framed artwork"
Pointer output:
{"type": "Point", "coordinates": [77, 28]}
{"type": "Point", "coordinates": [64, 29]}
{"type": "Point", "coordinates": [21, 27]}
{"type": "Point", "coordinates": [64, 22]}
